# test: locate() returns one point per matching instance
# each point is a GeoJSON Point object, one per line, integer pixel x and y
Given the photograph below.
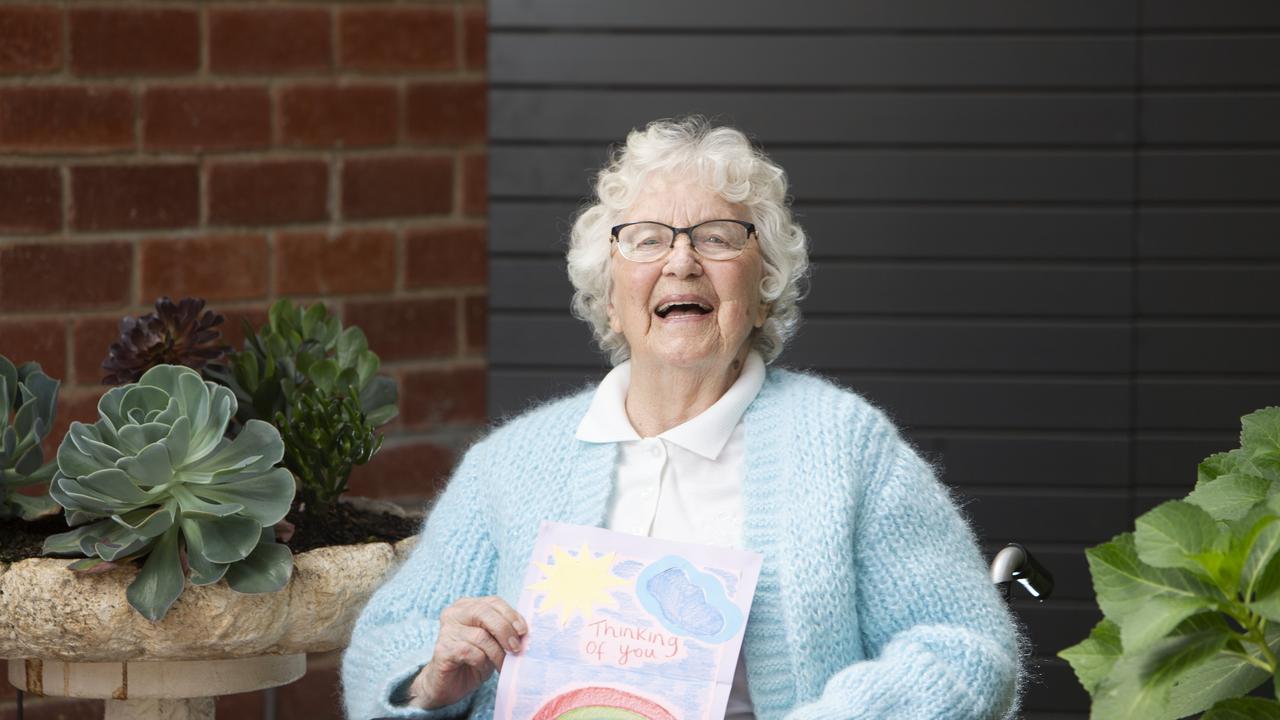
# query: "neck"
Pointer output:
{"type": "Point", "coordinates": [661, 397]}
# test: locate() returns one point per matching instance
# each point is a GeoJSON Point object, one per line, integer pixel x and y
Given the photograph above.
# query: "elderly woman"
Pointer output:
{"type": "Point", "coordinates": [873, 601]}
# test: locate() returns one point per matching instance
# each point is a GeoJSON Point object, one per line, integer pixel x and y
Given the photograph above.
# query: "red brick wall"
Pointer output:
{"type": "Point", "coordinates": [242, 152]}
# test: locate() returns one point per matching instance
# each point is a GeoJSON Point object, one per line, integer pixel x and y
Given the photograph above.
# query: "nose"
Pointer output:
{"type": "Point", "coordinates": [683, 261]}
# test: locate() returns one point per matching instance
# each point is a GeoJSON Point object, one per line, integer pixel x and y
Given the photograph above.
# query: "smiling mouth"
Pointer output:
{"type": "Point", "coordinates": [681, 309]}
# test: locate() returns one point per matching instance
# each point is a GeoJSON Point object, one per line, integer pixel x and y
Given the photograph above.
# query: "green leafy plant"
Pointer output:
{"type": "Point", "coordinates": [156, 478]}
{"type": "Point", "coordinates": [175, 334]}
{"type": "Point", "coordinates": [30, 400]}
{"type": "Point", "coordinates": [319, 384]}
{"type": "Point", "coordinates": [325, 436]}
{"type": "Point", "coordinates": [299, 349]}
{"type": "Point", "coordinates": [1191, 597]}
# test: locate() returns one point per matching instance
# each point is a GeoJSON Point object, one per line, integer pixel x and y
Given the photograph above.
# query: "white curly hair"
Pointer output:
{"type": "Point", "coordinates": [721, 159]}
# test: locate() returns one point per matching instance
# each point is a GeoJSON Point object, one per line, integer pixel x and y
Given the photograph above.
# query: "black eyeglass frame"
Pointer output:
{"type": "Point", "coordinates": [675, 233]}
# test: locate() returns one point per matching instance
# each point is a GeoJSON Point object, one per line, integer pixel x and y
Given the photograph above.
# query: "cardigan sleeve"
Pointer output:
{"type": "Point", "coordinates": [941, 643]}
{"type": "Point", "coordinates": [395, 634]}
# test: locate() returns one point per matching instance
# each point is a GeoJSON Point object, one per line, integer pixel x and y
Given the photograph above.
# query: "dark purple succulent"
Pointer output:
{"type": "Point", "coordinates": [175, 334]}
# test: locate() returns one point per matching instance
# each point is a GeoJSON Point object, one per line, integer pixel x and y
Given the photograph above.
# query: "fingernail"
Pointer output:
{"type": "Point", "coordinates": [514, 644]}
{"type": "Point", "coordinates": [520, 627]}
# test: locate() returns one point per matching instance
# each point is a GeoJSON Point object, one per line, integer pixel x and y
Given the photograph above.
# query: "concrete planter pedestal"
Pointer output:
{"type": "Point", "coordinates": [75, 635]}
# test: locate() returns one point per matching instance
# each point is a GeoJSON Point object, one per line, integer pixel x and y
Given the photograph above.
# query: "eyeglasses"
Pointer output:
{"type": "Point", "coordinates": [646, 241]}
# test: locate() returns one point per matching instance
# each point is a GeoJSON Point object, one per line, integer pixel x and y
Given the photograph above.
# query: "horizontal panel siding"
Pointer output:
{"type": "Point", "coordinates": [831, 61]}
{"type": "Point", "coordinates": [818, 14]}
{"type": "Point", "coordinates": [823, 118]}
{"type": "Point", "coordinates": [900, 176]}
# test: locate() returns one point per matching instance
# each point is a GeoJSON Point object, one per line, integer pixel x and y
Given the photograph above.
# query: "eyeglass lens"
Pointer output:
{"type": "Point", "coordinates": [650, 241]}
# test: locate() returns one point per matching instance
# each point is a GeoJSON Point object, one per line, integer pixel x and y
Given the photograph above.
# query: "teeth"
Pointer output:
{"type": "Point", "coordinates": [664, 308]}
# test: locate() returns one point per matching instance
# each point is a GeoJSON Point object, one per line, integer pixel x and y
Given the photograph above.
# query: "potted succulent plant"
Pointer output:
{"type": "Point", "coordinates": [28, 401]}
{"type": "Point", "coordinates": [183, 588]}
{"type": "Point", "coordinates": [1191, 597]}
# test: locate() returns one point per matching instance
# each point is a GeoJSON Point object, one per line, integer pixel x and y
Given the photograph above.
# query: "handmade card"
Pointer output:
{"type": "Point", "coordinates": [623, 627]}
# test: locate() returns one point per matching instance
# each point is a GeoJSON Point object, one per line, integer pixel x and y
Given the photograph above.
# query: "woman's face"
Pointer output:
{"type": "Point", "coordinates": [731, 288]}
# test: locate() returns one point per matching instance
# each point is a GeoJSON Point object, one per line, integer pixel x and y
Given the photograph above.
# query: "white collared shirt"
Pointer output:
{"type": "Point", "coordinates": [686, 483]}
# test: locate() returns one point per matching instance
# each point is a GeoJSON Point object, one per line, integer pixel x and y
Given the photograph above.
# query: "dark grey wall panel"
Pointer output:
{"type": "Point", "coordinates": [818, 117]}
{"type": "Point", "coordinates": [1209, 233]}
{"type": "Point", "coordinates": [1211, 60]}
{"type": "Point", "coordinates": [1201, 403]}
{"type": "Point", "coordinates": [542, 227]}
{"type": "Point", "coordinates": [1203, 347]}
{"type": "Point", "coordinates": [828, 14]}
{"type": "Point", "coordinates": [1223, 290]}
{"type": "Point", "coordinates": [1212, 119]}
{"type": "Point", "coordinates": [1210, 175]}
{"type": "Point", "coordinates": [1046, 517]}
{"type": "Point", "coordinates": [554, 339]}
{"type": "Point", "coordinates": [1200, 15]}
{"type": "Point", "coordinates": [1099, 460]}
{"type": "Point", "coordinates": [812, 61]}
{"type": "Point", "coordinates": [898, 175]}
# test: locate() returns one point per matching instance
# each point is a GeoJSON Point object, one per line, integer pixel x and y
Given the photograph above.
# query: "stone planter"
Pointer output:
{"type": "Point", "coordinates": [76, 635]}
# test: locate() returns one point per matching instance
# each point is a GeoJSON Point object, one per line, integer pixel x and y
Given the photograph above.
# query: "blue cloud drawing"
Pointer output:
{"type": "Point", "coordinates": [687, 601]}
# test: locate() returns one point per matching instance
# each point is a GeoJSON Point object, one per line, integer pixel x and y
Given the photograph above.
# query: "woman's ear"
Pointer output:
{"type": "Point", "coordinates": [762, 313]}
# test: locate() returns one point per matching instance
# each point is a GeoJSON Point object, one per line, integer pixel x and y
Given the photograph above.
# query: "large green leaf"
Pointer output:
{"type": "Point", "coordinates": [1140, 684]}
{"type": "Point", "coordinates": [1124, 584]}
{"type": "Point", "coordinates": [1260, 430]}
{"type": "Point", "coordinates": [1173, 533]}
{"type": "Point", "coordinates": [1223, 676]}
{"type": "Point", "coordinates": [1093, 657]}
{"type": "Point", "coordinates": [160, 581]}
{"type": "Point", "coordinates": [1230, 496]}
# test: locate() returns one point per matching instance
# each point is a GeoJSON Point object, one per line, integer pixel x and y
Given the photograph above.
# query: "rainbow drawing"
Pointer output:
{"type": "Point", "coordinates": [601, 703]}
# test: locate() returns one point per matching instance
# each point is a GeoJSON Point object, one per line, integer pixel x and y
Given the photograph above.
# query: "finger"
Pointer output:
{"type": "Point", "coordinates": [486, 643]}
{"type": "Point", "coordinates": [516, 620]}
{"type": "Point", "coordinates": [500, 627]}
{"type": "Point", "coordinates": [459, 653]}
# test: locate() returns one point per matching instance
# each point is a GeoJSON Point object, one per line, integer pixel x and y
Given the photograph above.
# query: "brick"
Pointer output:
{"type": "Point", "coordinates": [206, 118]}
{"type": "Point", "coordinates": [38, 119]}
{"type": "Point", "coordinates": [221, 267]}
{"type": "Point", "coordinates": [404, 470]}
{"type": "Point", "coordinates": [57, 277]}
{"type": "Point", "coordinates": [30, 39]}
{"type": "Point", "coordinates": [475, 37]}
{"type": "Point", "coordinates": [269, 40]}
{"type": "Point", "coordinates": [475, 183]}
{"type": "Point", "coordinates": [431, 397]}
{"type": "Point", "coordinates": [397, 186]}
{"type": "Point", "coordinates": [393, 39]}
{"type": "Point", "coordinates": [42, 341]}
{"type": "Point", "coordinates": [74, 404]}
{"type": "Point", "coordinates": [129, 197]}
{"type": "Point", "coordinates": [476, 310]}
{"type": "Point", "coordinates": [444, 257]}
{"type": "Point", "coordinates": [446, 112]}
{"type": "Point", "coordinates": [268, 193]}
{"type": "Point", "coordinates": [342, 116]}
{"type": "Point", "coordinates": [32, 200]}
{"type": "Point", "coordinates": [233, 332]}
{"type": "Point", "coordinates": [353, 262]}
{"type": "Point", "coordinates": [116, 41]}
{"type": "Point", "coordinates": [407, 329]}
{"type": "Point", "coordinates": [91, 339]}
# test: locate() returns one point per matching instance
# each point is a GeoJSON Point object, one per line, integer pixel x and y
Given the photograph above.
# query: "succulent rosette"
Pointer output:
{"type": "Point", "coordinates": [155, 477]}
{"type": "Point", "coordinates": [28, 402]}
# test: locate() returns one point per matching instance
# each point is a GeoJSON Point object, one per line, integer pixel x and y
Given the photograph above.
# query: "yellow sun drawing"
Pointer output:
{"type": "Point", "coordinates": [577, 583]}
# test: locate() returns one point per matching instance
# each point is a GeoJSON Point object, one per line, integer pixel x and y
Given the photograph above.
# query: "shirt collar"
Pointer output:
{"type": "Point", "coordinates": [705, 434]}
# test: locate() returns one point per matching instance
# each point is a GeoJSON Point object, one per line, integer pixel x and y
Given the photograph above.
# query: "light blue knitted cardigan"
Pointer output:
{"type": "Point", "coordinates": [874, 602]}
